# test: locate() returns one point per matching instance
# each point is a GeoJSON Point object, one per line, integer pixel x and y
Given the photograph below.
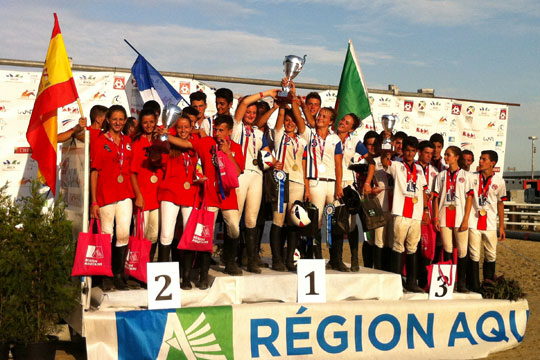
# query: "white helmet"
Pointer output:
{"type": "Point", "coordinates": [299, 215]}
{"type": "Point", "coordinates": [265, 159]}
{"type": "Point", "coordinates": [358, 163]}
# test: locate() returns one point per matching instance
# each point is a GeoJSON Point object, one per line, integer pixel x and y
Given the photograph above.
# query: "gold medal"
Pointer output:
{"type": "Point", "coordinates": [187, 185]}
{"type": "Point", "coordinates": [483, 212]}
{"type": "Point", "coordinates": [414, 200]}
{"type": "Point", "coordinates": [120, 179]}
{"type": "Point", "coordinates": [153, 179]}
{"type": "Point", "coordinates": [255, 162]}
{"type": "Point", "coordinates": [451, 207]}
{"type": "Point", "coordinates": [295, 167]}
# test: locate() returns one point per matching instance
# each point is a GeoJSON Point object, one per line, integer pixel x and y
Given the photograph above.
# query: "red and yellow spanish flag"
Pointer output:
{"type": "Point", "coordinates": [56, 89]}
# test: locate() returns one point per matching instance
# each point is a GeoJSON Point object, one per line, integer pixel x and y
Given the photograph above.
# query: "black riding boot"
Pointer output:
{"type": "Point", "coordinates": [437, 256]}
{"type": "Point", "coordinates": [489, 270]}
{"type": "Point", "coordinates": [386, 259]}
{"type": "Point", "coordinates": [367, 254]}
{"type": "Point", "coordinates": [153, 251]}
{"type": "Point", "coordinates": [118, 262]}
{"type": "Point", "coordinates": [412, 267]}
{"type": "Point", "coordinates": [251, 249]}
{"type": "Point", "coordinates": [164, 252]}
{"type": "Point", "coordinates": [396, 262]}
{"type": "Point", "coordinates": [337, 246]}
{"type": "Point", "coordinates": [275, 246]}
{"type": "Point", "coordinates": [205, 267]}
{"type": "Point", "coordinates": [353, 245]}
{"type": "Point", "coordinates": [448, 256]}
{"type": "Point", "coordinates": [462, 275]}
{"type": "Point", "coordinates": [187, 265]}
{"type": "Point", "coordinates": [317, 246]}
{"type": "Point", "coordinates": [229, 252]}
{"type": "Point", "coordinates": [474, 275]}
{"type": "Point", "coordinates": [377, 257]}
{"type": "Point", "coordinates": [292, 240]}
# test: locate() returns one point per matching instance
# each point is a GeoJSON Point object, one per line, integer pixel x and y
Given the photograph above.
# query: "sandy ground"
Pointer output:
{"type": "Point", "coordinates": [517, 259]}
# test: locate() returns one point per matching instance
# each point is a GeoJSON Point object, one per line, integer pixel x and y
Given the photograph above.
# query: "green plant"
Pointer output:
{"type": "Point", "coordinates": [501, 289]}
{"type": "Point", "coordinates": [35, 264]}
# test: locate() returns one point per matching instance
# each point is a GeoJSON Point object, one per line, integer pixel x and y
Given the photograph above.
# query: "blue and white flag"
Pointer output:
{"type": "Point", "coordinates": [152, 85]}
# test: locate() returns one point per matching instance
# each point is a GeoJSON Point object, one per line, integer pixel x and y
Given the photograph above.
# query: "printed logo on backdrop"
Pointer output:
{"type": "Point", "coordinates": [456, 109]}
{"type": "Point", "coordinates": [453, 125]}
{"type": "Point", "coordinates": [408, 105]}
{"type": "Point", "coordinates": [187, 333]}
{"type": "Point", "coordinates": [185, 88]}
{"type": "Point", "coordinates": [119, 83]}
{"type": "Point", "coordinates": [384, 101]}
{"type": "Point", "coordinates": [14, 77]}
{"type": "Point", "coordinates": [451, 139]}
{"type": "Point", "coordinates": [435, 105]}
{"type": "Point", "coordinates": [422, 130]}
{"type": "Point", "coordinates": [369, 126]}
{"type": "Point", "coordinates": [469, 135]}
{"type": "Point", "coordinates": [483, 111]}
{"type": "Point", "coordinates": [70, 109]}
{"type": "Point", "coordinates": [500, 130]}
{"type": "Point", "coordinates": [465, 145]}
{"type": "Point", "coordinates": [422, 106]}
{"type": "Point", "coordinates": [371, 100]}
{"type": "Point", "coordinates": [28, 94]}
{"type": "Point", "coordinates": [99, 95]}
{"type": "Point", "coordinates": [406, 122]}
{"type": "Point", "coordinates": [11, 165]}
{"type": "Point", "coordinates": [498, 143]}
{"type": "Point", "coordinates": [86, 80]}
{"type": "Point", "coordinates": [3, 124]}
{"type": "Point", "coordinates": [490, 125]}
{"type": "Point", "coordinates": [116, 100]}
{"type": "Point", "coordinates": [470, 110]}
{"type": "Point", "coordinates": [3, 108]}
{"type": "Point", "coordinates": [502, 114]}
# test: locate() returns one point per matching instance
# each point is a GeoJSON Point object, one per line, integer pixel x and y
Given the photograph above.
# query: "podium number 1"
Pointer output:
{"type": "Point", "coordinates": [311, 281]}
{"type": "Point", "coordinates": [311, 277]}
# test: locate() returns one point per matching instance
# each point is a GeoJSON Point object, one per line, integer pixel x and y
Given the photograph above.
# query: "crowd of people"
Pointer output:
{"type": "Point", "coordinates": [435, 207]}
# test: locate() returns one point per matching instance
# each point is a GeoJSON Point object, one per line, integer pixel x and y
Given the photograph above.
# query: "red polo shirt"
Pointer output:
{"type": "Point", "coordinates": [106, 160]}
{"type": "Point", "coordinates": [204, 147]}
{"type": "Point", "coordinates": [140, 165]}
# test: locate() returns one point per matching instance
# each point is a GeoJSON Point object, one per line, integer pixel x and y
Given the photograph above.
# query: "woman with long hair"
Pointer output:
{"type": "Point", "coordinates": [451, 209]}
{"type": "Point", "coordinates": [146, 176]}
{"type": "Point", "coordinates": [111, 187]}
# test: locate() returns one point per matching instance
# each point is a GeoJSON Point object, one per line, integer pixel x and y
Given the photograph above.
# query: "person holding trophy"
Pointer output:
{"type": "Point", "coordinates": [249, 191]}
{"type": "Point", "coordinates": [289, 150]}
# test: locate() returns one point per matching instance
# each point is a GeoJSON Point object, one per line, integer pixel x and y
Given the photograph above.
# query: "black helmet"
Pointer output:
{"type": "Point", "coordinates": [351, 197]}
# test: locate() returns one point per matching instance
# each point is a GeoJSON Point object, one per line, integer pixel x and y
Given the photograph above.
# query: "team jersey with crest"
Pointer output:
{"type": "Point", "coordinates": [251, 140]}
{"type": "Point", "coordinates": [452, 190]}
{"type": "Point", "coordinates": [352, 145]}
{"type": "Point", "coordinates": [319, 154]}
{"type": "Point", "coordinates": [430, 173]}
{"type": "Point", "coordinates": [487, 193]}
{"type": "Point", "coordinates": [289, 151]}
{"type": "Point", "coordinates": [409, 187]}
{"type": "Point", "coordinates": [381, 180]}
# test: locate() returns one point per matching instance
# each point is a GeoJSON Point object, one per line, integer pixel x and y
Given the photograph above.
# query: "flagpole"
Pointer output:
{"type": "Point", "coordinates": [131, 46]}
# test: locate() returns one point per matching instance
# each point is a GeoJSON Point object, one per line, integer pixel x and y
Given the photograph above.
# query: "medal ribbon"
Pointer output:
{"type": "Point", "coordinates": [120, 153]}
{"type": "Point", "coordinates": [451, 187]}
{"type": "Point", "coordinates": [483, 190]}
{"type": "Point", "coordinates": [409, 205]}
{"type": "Point", "coordinates": [187, 162]}
{"type": "Point", "coordinates": [218, 172]}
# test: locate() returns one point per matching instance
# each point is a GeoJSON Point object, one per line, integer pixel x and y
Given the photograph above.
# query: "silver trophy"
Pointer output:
{"type": "Point", "coordinates": [292, 65]}
{"type": "Point", "coordinates": [388, 123]}
{"type": "Point", "coordinates": [170, 114]}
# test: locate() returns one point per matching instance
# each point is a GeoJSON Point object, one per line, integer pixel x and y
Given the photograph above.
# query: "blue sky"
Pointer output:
{"type": "Point", "coordinates": [484, 50]}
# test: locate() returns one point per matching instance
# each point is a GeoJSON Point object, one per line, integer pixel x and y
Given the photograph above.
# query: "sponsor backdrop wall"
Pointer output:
{"type": "Point", "coordinates": [469, 125]}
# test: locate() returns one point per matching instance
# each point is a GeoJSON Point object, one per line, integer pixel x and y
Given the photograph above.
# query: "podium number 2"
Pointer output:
{"type": "Point", "coordinates": [311, 277]}
{"type": "Point", "coordinates": [161, 297]}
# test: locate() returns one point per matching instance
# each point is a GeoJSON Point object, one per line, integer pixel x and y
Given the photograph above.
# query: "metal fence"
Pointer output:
{"type": "Point", "coordinates": [522, 216]}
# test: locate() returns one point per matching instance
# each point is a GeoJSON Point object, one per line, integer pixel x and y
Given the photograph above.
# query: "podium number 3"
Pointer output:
{"type": "Point", "coordinates": [311, 277]}
{"type": "Point", "coordinates": [160, 296]}
{"type": "Point", "coordinates": [442, 284]}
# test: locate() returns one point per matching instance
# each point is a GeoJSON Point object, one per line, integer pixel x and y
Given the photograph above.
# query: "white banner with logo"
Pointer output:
{"type": "Point", "coordinates": [469, 125]}
{"type": "Point", "coordinates": [413, 329]}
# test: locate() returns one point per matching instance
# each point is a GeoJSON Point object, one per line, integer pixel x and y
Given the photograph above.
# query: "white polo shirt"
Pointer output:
{"type": "Point", "coordinates": [430, 173]}
{"type": "Point", "coordinates": [251, 142]}
{"type": "Point", "coordinates": [320, 154]}
{"type": "Point", "coordinates": [352, 145]}
{"type": "Point", "coordinates": [486, 196]}
{"type": "Point", "coordinates": [290, 150]}
{"type": "Point", "coordinates": [452, 194]}
{"type": "Point", "coordinates": [381, 179]}
{"type": "Point", "coordinates": [409, 187]}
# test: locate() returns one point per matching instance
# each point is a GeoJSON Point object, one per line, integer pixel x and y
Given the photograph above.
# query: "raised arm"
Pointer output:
{"type": "Point", "coordinates": [280, 119]}
{"type": "Point", "coordinates": [264, 119]}
{"type": "Point", "coordinates": [73, 132]}
{"type": "Point", "coordinates": [248, 100]}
